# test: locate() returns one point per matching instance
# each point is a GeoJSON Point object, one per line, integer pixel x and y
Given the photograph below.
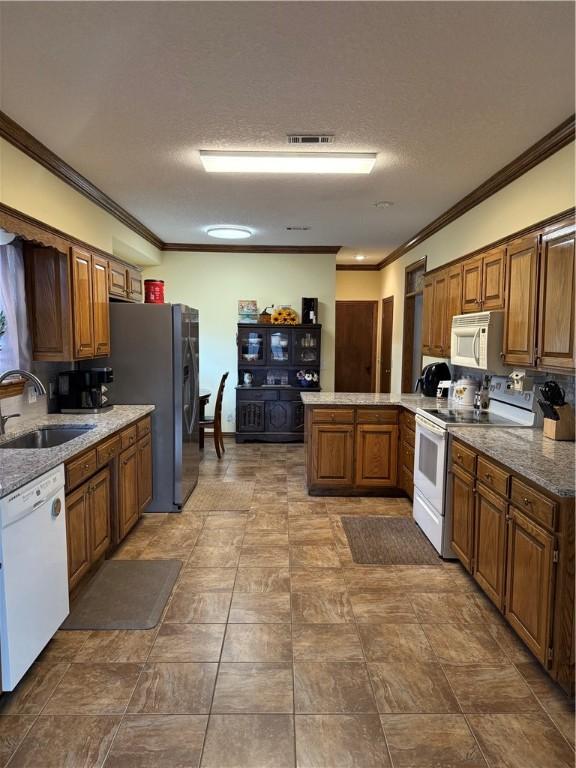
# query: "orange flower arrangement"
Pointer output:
{"type": "Point", "coordinates": [284, 316]}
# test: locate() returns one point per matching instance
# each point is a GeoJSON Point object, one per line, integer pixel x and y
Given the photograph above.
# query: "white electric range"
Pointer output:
{"type": "Point", "coordinates": [432, 494]}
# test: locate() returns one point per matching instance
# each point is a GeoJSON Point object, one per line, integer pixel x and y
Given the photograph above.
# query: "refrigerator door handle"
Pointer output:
{"type": "Point", "coordinates": [196, 391]}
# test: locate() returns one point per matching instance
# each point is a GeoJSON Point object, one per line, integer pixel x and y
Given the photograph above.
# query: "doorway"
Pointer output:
{"type": "Point", "coordinates": [412, 335]}
{"type": "Point", "coordinates": [386, 325]}
{"type": "Point", "coordinates": [355, 349]}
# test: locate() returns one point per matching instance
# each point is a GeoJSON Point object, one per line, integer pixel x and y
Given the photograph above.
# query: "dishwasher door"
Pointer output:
{"type": "Point", "coordinates": [33, 573]}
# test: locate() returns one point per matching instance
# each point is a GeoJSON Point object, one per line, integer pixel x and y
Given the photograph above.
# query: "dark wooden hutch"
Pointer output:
{"type": "Point", "coordinates": [270, 408]}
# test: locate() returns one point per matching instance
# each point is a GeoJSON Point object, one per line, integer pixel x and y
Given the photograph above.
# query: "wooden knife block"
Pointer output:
{"type": "Point", "coordinates": [563, 429]}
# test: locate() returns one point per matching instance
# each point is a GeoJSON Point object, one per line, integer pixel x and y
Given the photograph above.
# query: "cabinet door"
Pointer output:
{"type": "Point", "coordinates": [278, 346]}
{"type": "Point", "coordinates": [472, 285]}
{"type": "Point", "coordinates": [99, 493]}
{"type": "Point", "coordinates": [556, 348]}
{"type": "Point", "coordinates": [529, 582]}
{"type": "Point", "coordinates": [332, 458]}
{"type": "Point", "coordinates": [78, 534]}
{"type": "Point", "coordinates": [462, 535]}
{"type": "Point", "coordinates": [48, 275]}
{"type": "Point", "coordinates": [277, 416]}
{"type": "Point", "coordinates": [144, 472]}
{"type": "Point", "coordinates": [128, 508]}
{"type": "Point", "coordinates": [520, 315]}
{"type": "Point", "coordinates": [135, 291]}
{"type": "Point", "coordinates": [82, 303]}
{"type": "Point", "coordinates": [252, 346]}
{"type": "Point", "coordinates": [427, 312]}
{"type": "Point", "coordinates": [377, 455]}
{"type": "Point", "coordinates": [453, 303]}
{"type": "Point", "coordinates": [297, 417]}
{"type": "Point", "coordinates": [117, 280]}
{"type": "Point", "coordinates": [249, 416]}
{"type": "Point", "coordinates": [101, 306]}
{"type": "Point", "coordinates": [439, 312]}
{"type": "Point", "coordinates": [489, 544]}
{"type": "Point", "coordinates": [493, 279]}
{"type": "Point", "coordinates": [306, 348]}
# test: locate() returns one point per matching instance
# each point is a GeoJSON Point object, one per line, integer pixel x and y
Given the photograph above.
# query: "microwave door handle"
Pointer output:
{"type": "Point", "coordinates": [474, 344]}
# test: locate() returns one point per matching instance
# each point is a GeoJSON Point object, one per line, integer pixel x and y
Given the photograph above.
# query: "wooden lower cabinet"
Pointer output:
{"type": "Point", "coordinates": [490, 544]}
{"type": "Point", "coordinates": [333, 455]}
{"type": "Point", "coordinates": [144, 472]}
{"type": "Point", "coordinates": [377, 455]}
{"type": "Point", "coordinates": [463, 516]}
{"type": "Point", "coordinates": [87, 525]}
{"type": "Point", "coordinates": [529, 582]}
{"type": "Point", "coordinates": [128, 497]}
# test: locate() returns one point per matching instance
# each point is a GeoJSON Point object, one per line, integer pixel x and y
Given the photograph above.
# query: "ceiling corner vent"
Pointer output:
{"type": "Point", "coordinates": [310, 138]}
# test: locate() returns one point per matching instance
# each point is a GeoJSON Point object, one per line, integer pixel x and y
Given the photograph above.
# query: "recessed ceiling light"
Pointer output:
{"type": "Point", "coordinates": [288, 162]}
{"type": "Point", "coordinates": [359, 257]}
{"type": "Point", "coordinates": [229, 233]}
{"type": "Point", "coordinates": [383, 204]}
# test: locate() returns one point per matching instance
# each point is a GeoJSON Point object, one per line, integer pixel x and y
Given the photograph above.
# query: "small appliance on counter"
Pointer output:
{"type": "Point", "coordinates": [431, 377]}
{"type": "Point", "coordinates": [558, 415]}
{"type": "Point", "coordinates": [443, 391]}
{"type": "Point", "coordinates": [85, 391]}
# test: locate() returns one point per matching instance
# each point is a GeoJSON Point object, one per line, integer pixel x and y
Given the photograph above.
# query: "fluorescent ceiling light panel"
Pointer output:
{"type": "Point", "coordinates": [229, 233]}
{"type": "Point", "coordinates": [288, 162]}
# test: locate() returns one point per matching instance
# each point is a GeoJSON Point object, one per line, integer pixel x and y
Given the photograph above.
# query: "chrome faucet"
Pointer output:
{"type": "Point", "coordinates": [38, 386]}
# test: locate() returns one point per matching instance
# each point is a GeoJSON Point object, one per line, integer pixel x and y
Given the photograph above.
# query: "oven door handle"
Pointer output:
{"type": "Point", "coordinates": [427, 425]}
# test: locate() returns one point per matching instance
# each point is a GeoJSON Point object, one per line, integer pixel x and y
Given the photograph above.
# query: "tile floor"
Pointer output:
{"type": "Point", "coordinates": [275, 651]}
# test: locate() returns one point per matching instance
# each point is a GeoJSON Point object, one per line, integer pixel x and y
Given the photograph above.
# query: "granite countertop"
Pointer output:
{"type": "Point", "coordinates": [548, 463]}
{"type": "Point", "coordinates": [20, 466]}
{"type": "Point", "coordinates": [409, 401]}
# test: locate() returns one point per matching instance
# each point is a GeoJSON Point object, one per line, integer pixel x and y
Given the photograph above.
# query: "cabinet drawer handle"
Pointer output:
{"type": "Point", "coordinates": [459, 456]}
{"type": "Point", "coordinates": [527, 502]}
{"type": "Point", "coordinates": [488, 476]}
{"type": "Point", "coordinates": [86, 465]}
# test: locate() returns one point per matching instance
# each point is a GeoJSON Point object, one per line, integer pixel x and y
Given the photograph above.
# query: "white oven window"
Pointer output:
{"type": "Point", "coordinates": [428, 458]}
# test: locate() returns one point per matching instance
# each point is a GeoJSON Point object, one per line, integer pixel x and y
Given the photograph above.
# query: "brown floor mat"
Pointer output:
{"type": "Point", "coordinates": [378, 540]}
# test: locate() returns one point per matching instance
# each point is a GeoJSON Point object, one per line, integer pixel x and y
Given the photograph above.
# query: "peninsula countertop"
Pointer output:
{"type": "Point", "coordinates": [409, 401]}
{"type": "Point", "coordinates": [19, 466]}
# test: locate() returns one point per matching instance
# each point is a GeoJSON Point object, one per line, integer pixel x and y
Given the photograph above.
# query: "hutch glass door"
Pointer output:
{"type": "Point", "coordinates": [251, 347]}
{"type": "Point", "coordinates": [279, 347]}
{"type": "Point", "coordinates": [306, 348]}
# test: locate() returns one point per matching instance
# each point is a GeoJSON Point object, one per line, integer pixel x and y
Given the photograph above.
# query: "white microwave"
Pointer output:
{"type": "Point", "coordinates": [476, 341]}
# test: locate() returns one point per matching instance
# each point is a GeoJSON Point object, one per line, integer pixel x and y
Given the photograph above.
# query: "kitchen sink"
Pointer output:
{"type": "Point", "coordinates": [47, 437]}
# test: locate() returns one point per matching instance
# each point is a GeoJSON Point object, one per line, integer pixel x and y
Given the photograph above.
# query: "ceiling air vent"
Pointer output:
{"type": "Point", "coordinates": [310, 138]}
{"type": "Point", "coordinates": [297, 229]}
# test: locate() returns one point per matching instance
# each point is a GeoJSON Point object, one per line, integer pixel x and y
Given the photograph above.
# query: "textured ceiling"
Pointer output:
{"type": "Point", "coordinates": [446, 93]}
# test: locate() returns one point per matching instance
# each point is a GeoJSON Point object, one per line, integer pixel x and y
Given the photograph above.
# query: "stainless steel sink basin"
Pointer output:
{"type": "Point", "coordinates": [47, 437]}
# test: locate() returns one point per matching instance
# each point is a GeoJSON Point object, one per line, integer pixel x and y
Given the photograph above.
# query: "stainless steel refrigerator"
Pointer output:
{"type": "Point", "coordinates": [155, 360]}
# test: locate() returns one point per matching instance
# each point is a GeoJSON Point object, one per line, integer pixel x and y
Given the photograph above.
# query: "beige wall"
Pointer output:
{"type": "Point", "coordinates": [541, 192]}
{"type": "Point", "coordinates": [29, 187]}
{"type": "Point", "coordinates": [213, 283]}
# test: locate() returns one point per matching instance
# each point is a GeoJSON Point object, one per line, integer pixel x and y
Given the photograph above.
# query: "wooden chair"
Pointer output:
{"type": "Point", "coordinates": [216, 422]}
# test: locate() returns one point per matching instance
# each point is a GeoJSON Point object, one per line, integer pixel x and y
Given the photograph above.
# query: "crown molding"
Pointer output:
{"type": "Point", "coordinates": [558, 138]}
{"type": "Point", "coordinates": [357, 267]}
{"type": "Point", "coordinates": [212, 248]}
{"type": "Point", "coordinates": [25, 142]}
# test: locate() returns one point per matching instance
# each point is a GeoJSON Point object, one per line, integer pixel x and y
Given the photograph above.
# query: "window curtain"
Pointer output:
{"type": "Point", "coordinates": [15, 349]}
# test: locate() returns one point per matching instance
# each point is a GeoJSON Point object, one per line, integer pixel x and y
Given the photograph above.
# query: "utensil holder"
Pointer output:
{"type": "Point", "coordinates": [563, 429]}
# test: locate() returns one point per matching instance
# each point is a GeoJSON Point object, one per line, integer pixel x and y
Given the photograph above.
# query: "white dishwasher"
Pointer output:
{"type": "Point", "coordinates": [33, 572]}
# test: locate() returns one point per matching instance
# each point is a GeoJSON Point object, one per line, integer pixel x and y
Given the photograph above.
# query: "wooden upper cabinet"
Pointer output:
{"type": "Point", "coordinates": [493, 279]}
{"type": "Point", "coordinates": [48, 302]}
{"type": "Point", "coordinates": [377, 455]}
{"type": "Point", "coordinates": [556, 346]}
{"type": "Point", "coordinates": [101, 309]}
{"type": "Point", "coordinates": [427, 313]}
{"type": "Point", "coordinates": [453, 302]}
{"type": "Point", "coordinates": [82, 303]}
{"type": "Point", "coordinates": [439, 310]}
{"type": "Point", "coordinates": [529, 582]}
{"type": "Point", "coordinates": [472, 285]}
{"type": "Point", "coordinates": [135, 286]}
{"type": "Point", "coordinates": [520, 316]}
{"type": "Point", "coordinates": [117, 280]}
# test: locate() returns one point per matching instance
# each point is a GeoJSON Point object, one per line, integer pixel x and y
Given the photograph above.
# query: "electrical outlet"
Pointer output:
{"type": "Point", "coordinates": [229, 418]}
{"type": "Point", "coordinates": [32, 396]}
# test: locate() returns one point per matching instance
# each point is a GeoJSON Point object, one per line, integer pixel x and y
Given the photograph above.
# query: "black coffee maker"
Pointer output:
{"type": "Point", "coordinates": [85, 391]}
{"type": "Point", "coordinates": [431, 376]}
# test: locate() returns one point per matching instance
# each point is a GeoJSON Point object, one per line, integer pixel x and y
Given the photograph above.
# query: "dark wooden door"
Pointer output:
{"type": "Point", "coordinates": [356, 326]}
{"type": "Point", "coordinates": [493, 279]}
{"type": "Point", "coordinates": [377, 455]}
{"type": "Point", "coordinates": [78, 534]}
{"type": "Point", "coordinates": [82, 303]}
{"type": "Point", "coordinates": [490, 544]}
{"type": "Point", "coordinates": [472, 285]}
{"type": "Point", "coordinates": [250, 417]}
{"type": "Point", "coordinates": [128, 490]}
{"type": "Point", "coordinates": [386, 344]}
{"type": "Point", "coordinates": [439, 313]}
{"type": "Point", "coordinates": [520, 316]}
{"type": "Point", "coordinates": [101, 306]}
{"type": "Point", "coordinates": [332, 460]}
{"type": "Point", "coordinates": [462, 516]}
{"type": "Point", "coordinates": [278, 416]}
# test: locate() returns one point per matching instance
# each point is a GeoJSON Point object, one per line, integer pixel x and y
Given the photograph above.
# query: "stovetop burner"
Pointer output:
{"type": "Point", "coordinates": [467, 416]}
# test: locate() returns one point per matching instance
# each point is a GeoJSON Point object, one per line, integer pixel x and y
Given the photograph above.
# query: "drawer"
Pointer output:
{"type": "Point", "coordinates": [409, 437]}
{"type": "Point", "coordinates": [407, 419]}
{"type": "Point", "coordinates": [492, 476]}
{"type": "Point", "coordinates": [463, 457]}
{"type": "Point", "coordinates": [143, 427]}
{"type": "Point", "coordinates": [256, 394]}
{"type": "Point", "coordinates": [407, 456]}
{"type": "Point", "coordinates": [532, 503]}
{"type": "Point", "coordinates": [336, 416]}
{"type": "Point", "coordinates": [290, 394]}
{"type": "Point", "coordinates": [81, 468]}
{"type": "Point", "coordinates": [377, 415]}
{"type": "Point", "coordinates": [128, 437]}
{"type": "Point", "coordinates": [108, 450]}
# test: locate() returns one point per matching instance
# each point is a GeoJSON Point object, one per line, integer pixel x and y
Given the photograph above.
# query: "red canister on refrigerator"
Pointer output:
{"type": "Point", "coordinates": [154, 291]}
